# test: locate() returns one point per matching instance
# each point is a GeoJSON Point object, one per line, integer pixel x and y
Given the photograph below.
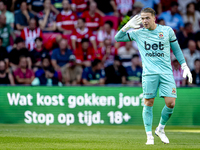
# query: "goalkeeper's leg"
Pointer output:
{"type": "Point", "coordinates": [165, 115]}
{"type": "Point", "coordinates": [147, 115]}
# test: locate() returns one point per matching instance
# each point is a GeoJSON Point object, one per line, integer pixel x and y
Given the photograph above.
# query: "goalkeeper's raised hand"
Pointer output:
{"type": "Point", "coordinates": [133, 23]}
{"type": "Point", "coordinates": [186, 72]}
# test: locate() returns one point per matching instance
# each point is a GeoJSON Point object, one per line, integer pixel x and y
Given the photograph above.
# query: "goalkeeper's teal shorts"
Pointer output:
{"type": "Point", "coordinates": [164, 82]}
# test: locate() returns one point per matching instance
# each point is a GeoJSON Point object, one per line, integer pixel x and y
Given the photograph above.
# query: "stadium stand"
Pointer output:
{"type": "Point", "coordinates": [63, 42]}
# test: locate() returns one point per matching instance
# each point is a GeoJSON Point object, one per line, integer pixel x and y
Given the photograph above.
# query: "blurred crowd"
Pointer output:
{"type": "Point", "coordinates": [71, 42]}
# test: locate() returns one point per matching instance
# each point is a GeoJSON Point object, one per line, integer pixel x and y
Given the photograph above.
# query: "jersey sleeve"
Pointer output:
{"type": "Point", "coordinates": [175, 46]}
{"type": "Point", "coordinates": [59, 20]}
{"type": "Point", "coordinates": [172, 36]}
{"type": "Point", "coordinates": [130, 35]}
{"type": "Point", "coordinates": [100, 36]}
{"type": "Point", "coordinates": [91, 36]}
{"type": "Point", "coordinates": [23, 35]}
{"type": "Point", "coordinates": [133, 35]}
{"type": "Point", "coordinates": [73, 36]}
{"type": "Point", "coordinates": [12, 19]}
{"type": "Point", "coordinates": [122, 37]}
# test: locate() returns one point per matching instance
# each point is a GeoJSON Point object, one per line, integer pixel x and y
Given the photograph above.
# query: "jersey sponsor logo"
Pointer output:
{"type": "Point", "coordinates": [154, 46]}
{"type": "Point", "coordinates": [161, 36]}
{"type": "Point", "coordinates": [154, 54]}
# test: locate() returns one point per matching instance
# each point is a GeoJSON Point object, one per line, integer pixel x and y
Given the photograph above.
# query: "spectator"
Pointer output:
{"type": "Point", "coordinates": [172, 18]}
{"type": "Point", "coordinates": [8, 14]}
{"type": "Point", "coordinates": [72, 72]}
{"type": "Point", "coordinates": [5, 31]}
{"type": "Point", "coordinates": [23, 75]}
{"type": "Point", "coordinates": [197, 39]}
{"type": "Point", "coordinates": [67, 19]}
{"type": "Point", "coordinates": [30, 33]}
{"type": "Point", "coordinates": [5, 77]}
{"type": "Point", "coordinates": [177, 72]}
{"type": "Point", "coordinates": [196, 72]}
{"type": "Point", "coordinates": [35, 6]}
{"type": "Point", "coordinates": [85, 54]}
{"type": "Point", "coordinates": [107, 33]}
{"type": "Point", "coordinates": [79, 6]}
{"type": "Point", "coordinates": [191, 54]}
{"type": "Point", "coordinates": [152, 4]}
{"type": "Point", "coordinates": [166, 4]}
{"type": "Point", "coordinates": [134, 71]}
{"type": "Point", "coordinates": [37, 53]}
{"type": "Point", "coordinates": [116, 73]}
{"type": "Point", "coordinates": [3, 53]}
{"type": "Point", "coordinates": [124, 6]}
{"type": "Point", "coordinates": [137, 7]}
{"type": "Point", "coordinates": [161, 22]}
{"type": "Point", "coordinates": [46, 75]}
{"type": "Point", "coordinates": [47, 18]}
{"type": "Point", "coordinates": [14, 5]}
{"type": "Point", "coordinates": [82, 32]}
{"type": "Point", "coordinates": [126, 52]}
{"type": "Point", "coordinates": [60, 56]}
{"type": "Point", "coordinates": [107, 53]}
{"type": "Point", "coordinates": [192, 16]}
{"type": "Point", "coordinates": [182, 4]}
{"type": "Point", "coordinates": [110, 9]}
{"type": "Point", "coordinates": [94, 20]}
{"type": "Point", "coordinates": [94, 75]}
{"type": "Point", "coordinates": [18, 51]}
{"type": "Point", "coordinates": [23, 16]}
{"type": "Point", "coordinates": [185, 35]}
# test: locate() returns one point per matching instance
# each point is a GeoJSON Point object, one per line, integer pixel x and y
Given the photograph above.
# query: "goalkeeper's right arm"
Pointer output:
{"type": "Point", "coordinates": [122, 36]}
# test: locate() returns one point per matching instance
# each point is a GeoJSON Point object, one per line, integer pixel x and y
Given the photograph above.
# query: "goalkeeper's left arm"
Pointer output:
{"type": "Point", "coordinates": [122, 36]}
{"type": "Point", "coordinates": [179, 55]}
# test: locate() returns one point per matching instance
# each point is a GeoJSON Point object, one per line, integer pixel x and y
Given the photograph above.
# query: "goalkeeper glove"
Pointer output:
{"type": "Point", "coordinates": [133, 23]}
{"type": "Point", "coordinates": [186, 72]}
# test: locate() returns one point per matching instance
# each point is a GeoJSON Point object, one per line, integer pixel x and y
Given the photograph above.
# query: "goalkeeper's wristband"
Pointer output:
{"type": "Point", "coordinates": [125, 28]}
{"type": "Point", "coordinates": [183, 66]}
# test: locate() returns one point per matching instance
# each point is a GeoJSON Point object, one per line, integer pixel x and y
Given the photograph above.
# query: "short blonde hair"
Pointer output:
{"type": "Point", "coordinates": [149, 10]}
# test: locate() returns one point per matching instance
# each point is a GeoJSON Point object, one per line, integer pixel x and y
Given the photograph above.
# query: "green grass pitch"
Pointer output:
{"type": "Point", "coordinates": [35, 137]}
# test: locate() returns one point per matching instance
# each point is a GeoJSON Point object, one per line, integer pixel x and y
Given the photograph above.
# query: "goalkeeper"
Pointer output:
{"type": "Point", "coordinates": [154, 42]}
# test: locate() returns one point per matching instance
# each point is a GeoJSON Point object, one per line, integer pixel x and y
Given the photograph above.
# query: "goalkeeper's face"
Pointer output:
{"type": "Point", "coordinates": [148, 20]}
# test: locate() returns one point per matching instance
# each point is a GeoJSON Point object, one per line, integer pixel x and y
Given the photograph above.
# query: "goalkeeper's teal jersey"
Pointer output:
{"type": "Point", "coordinates": [154, 47]}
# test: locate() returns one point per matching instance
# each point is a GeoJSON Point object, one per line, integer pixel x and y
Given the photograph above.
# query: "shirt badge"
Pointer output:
{"type": "Point", "coordinates": [161, 36]}
{"type": "Point", "coordinates": [174, 91]}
